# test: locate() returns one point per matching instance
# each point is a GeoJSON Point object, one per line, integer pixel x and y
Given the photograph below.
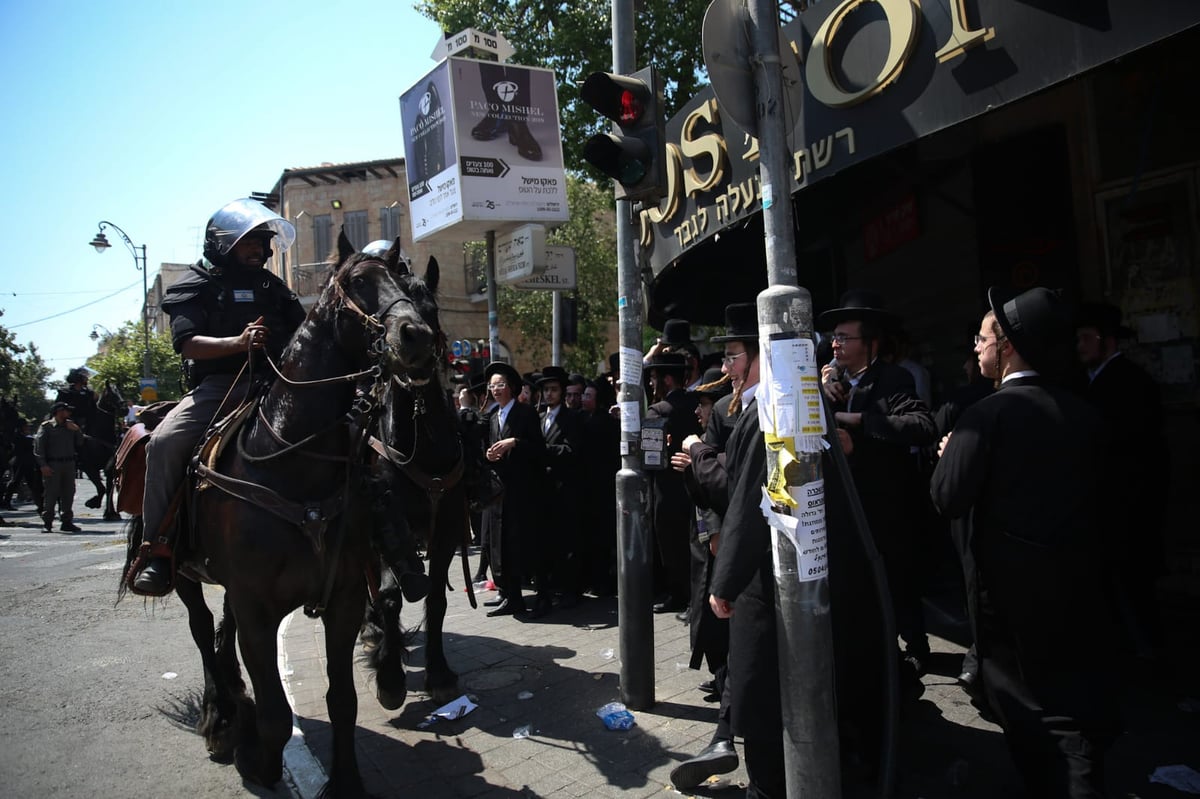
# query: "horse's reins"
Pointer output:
{"type": "Point", "coordinates": [435, 486]}
{"type": "Point", "coordinates": [314, 519]}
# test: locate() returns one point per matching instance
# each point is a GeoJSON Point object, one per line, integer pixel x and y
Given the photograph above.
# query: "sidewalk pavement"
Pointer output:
{"type": "Point", "coordinates": [567, 663]}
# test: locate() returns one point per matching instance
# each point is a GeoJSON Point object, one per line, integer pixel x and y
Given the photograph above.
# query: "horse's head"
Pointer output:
{"type": "Point", "coordinates": [385, 312]}
{"type": "Point", "coordinates": [110, 400]}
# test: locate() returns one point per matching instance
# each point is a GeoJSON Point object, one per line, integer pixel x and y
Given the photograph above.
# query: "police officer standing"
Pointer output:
{"type": "Point", "coordinates": [54, 448]}
{"type": "Point", "coordinates": [226, 307]}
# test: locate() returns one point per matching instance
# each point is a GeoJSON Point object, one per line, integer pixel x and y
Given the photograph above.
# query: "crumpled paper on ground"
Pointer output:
{"type": "Point", "coordinates": [1181, 778]}
{"type": "Point", "coordinates": [450, 711]}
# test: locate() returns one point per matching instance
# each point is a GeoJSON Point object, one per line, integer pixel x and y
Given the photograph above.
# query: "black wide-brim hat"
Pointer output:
{"type": "Point", "coordinates": [61, 406]}
{"type": "Point", "coordinates": [510, 374]}
{"type": "Point", "coordinates": [1106, 318]}
{"type": "Point", "coordinates": [741, 323]}
{"type": "Point", "coordinates": [677, 333]}
{"type": "Point", "coordinates": [553, 374]}
{"type": "Point", "coordinates": [674, 362]}
{"type": "Point", "coordinates": [1034, 322]}
{"type": "Point", "coordinates": [713, 384]}
{"type": "Point", "coordinates": [858, 305]}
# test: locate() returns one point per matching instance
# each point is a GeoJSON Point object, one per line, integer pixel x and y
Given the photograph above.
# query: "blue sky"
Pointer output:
{"type": "Point", "coordinates": [153, 115]}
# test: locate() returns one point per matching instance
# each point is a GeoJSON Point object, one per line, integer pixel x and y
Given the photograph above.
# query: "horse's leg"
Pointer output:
{"type": "Point", "coordinates": [440, 680]}
{"type": "Point", "coordinates": [342, 620]}
{"type": "Point", "coordinates": [259, 757]}
{"type": "Point", "coordinates": [93, 474]}
{"type": "Point", "coordinates": [110, 473]}
{"type": "Point", "coordinates": [386, 656]}
{"type": "Point", "coordinates": [217, 711]}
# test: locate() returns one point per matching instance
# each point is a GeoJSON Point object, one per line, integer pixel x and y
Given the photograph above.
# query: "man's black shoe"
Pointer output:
{"type": "Point", "coordinates": [967, 679]}
{"type": "Point", "coordinates": [68, 527]}
{"type": "Point", "coordinates": [155, 578]}
{"type": "Point", "coordinates": [683, 615]}
{"type": "Point", "coordinates": [48, 522]}
{"type": "Point", "coordinates": [671, 605]}
{"type": "Point", "coordinates": [709, 686]}
{"type": "Point", "coordinates": [509, 608]}
{"type": "Point", "coordinates": [414, 586]}
{"type": "Point", "coordinates": [494, 603]}
{"type": "Point", "coordinates": [489, 128]}
{"type": "Point", "coordinates": [541, 608]}
{"type": "Point", "coordinates": [520, 137]}
{"type": "Point", "coordinates": [719, 757]}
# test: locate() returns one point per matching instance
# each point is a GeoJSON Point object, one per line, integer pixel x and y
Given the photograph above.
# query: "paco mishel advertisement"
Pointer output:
{"type": "Point", "coordinates": [483, 146]}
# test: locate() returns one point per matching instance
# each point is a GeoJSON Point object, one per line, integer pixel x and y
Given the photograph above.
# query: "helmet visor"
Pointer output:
{"type": "Point", "coordinates": [231, 223]}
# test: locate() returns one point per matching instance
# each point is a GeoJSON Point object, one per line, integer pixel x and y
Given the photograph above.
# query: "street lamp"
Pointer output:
{"type": "Point", "coordinates": [139, 261]}
{"type": "Point", "coordinates": [95, 334]}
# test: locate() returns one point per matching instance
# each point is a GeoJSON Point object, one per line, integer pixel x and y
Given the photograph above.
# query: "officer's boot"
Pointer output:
{"type": "Point", "coordinates": [400, 553]}
{"type": "Point", "coordinates": [48, 521]}
{"type": "Point", "coordinates": [155, 577]}
{"type": "Point", "coordinates": [67, 525]}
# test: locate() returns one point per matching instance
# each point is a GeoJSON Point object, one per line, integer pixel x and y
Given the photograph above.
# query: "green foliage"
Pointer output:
{"type": "Point", "coordinates": [23, 375]}
{"type": "Point", "coordinates": [592, 232]}
{"type": "Point", "coordinates": [574, 38]}
{"type": "Point", "coordinates": [120, 361]}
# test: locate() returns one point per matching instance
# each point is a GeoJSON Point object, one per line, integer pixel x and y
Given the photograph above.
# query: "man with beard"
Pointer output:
{"type": "Point", "coordinates": [226, 307]}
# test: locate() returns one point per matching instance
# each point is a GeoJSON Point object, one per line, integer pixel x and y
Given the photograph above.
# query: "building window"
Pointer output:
{"type": "Point", "coordinates": [322, 238]}
{"type": "Point", "coordinates": [355, 225]}
{"type": "Point", "coordinates": [389, 222]}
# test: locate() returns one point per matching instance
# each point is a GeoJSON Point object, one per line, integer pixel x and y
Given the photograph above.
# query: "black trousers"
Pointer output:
{"type": "Point", "coordinates": [765, 769]}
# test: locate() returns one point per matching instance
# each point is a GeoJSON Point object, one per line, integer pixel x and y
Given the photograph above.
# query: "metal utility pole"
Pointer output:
{"type": "Point", "coordinates": [803, 629]}
{"type": "Point", "coordinates": [139, 262]}
{"type": "Point", "coordinates": [635, 575]}
{"type": "Point", "coordinates": [493, 307]}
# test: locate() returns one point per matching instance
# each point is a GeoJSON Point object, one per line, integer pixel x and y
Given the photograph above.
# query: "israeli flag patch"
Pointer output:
{"type": "Point", "coordinates": [243, 295]}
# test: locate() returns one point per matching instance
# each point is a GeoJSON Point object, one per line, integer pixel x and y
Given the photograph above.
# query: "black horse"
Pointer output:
{"type": "Point", "coordinates": [279, 521]}
{"type": "Point", "coordinates": [96, 457]}
{"type": "Point", "coordinates": [421, 462]}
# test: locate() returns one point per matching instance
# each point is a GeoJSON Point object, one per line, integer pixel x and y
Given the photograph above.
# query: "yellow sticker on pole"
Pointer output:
{"type": "Point", "coordinates": [780, 457]}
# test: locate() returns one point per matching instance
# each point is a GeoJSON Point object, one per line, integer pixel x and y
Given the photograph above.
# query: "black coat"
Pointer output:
{"type": "Point", "coordinates": [670, 508]}
{"type": "Point", "coordinates": [743, 574]}
{"type": "Point", "coordinates": [1027, 466]}
{"type": "Point", "coordinates": [523, 472]}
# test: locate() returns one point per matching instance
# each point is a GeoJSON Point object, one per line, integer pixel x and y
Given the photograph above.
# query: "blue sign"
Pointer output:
{"type": "Point", "coordinates": [457, 348]}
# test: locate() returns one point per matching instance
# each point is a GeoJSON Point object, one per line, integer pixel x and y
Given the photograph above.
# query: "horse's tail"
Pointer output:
{"type": "Point", "coordinates": [133, 543]}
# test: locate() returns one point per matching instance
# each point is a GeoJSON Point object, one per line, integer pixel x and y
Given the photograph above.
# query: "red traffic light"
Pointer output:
{"type": "Point", "coordinates": [633, 153]}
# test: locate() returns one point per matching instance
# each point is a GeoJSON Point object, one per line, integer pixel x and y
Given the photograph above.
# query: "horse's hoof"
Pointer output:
{"type": "Point", "coordinates": [391, 700]}
{"type": "Point", "coordinates": [112, 517]}
{"type": "Point", "coordinates": [94, 502]}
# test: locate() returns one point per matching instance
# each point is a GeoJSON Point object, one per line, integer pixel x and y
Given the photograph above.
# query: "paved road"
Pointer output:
{"type": "Point", "coordinates": [98, 700]}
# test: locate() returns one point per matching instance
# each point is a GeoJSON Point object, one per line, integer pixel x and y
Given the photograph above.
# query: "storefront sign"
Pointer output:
{"type": "Point", "coordinates": [879, 74]}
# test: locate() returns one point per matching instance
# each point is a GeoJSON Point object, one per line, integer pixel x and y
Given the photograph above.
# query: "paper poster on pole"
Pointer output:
{"type": "Point", "coordinates": [805, 530]}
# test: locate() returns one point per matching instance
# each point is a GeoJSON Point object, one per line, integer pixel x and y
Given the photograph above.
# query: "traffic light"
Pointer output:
{"type": "Point", "coordinates": [634, 154]}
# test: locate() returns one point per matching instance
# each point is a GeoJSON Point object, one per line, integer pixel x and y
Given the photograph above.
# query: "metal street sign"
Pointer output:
{"type": "Point", "coordinates": [473, 44]}
{"type": "Point", "coordinates": [521, 253]}
{"type": "Point", "coordinates": [456, 348]}
{"type": "Point", "coordinates": [559, 275]}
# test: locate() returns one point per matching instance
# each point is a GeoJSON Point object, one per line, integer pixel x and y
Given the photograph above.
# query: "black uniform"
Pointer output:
{"type": "Point", "coordinates": [671, 510]}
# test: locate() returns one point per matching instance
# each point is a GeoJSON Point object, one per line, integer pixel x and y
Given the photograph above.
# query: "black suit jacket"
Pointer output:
{"type": "Point", "coordinates": [670, 507]}
{"type": "Point", "coordinates": [1028, 466]}
{"type": "Point", "coordinates": [521, 470]}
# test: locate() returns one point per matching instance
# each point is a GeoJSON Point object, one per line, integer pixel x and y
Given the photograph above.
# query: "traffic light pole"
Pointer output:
{"type": "Point", "coordinates": [803, 629]}
{"type": "Point", "coordinates": [493, 306]}
{"type": "Point", "coordinates": [635, 575]}
{"type": "Point", "coordinates": [556, 337]}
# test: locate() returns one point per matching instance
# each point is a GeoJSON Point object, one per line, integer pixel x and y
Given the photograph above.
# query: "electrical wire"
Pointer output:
{"type": "Point", "coordinates": [76, 308]}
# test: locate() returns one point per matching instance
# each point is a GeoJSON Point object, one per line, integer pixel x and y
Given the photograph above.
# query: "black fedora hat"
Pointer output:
{"type": "Point", "coordinates": [1035, 323]}
{"type": "Point", "coordinates": [674, 362]}
{"type": "Point", "coordinates": [1103, 316]}
{"type": "Point", "coordinates": [741, 323]}
{"type": "Point", "coordinates": [714, 384]}
{"type": "Point", "coordinates": [857, 305]}
{"type": "Point", "coordinates": [677, 333]}
{"type": "Point", "coordinates": [553, 374]}
{"type": "Point", "coordinates": [511, 375]}
{"type": "Point", "coordinates": [61, 406]}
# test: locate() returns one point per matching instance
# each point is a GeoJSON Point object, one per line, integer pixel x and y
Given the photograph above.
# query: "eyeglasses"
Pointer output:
{"type": "Point", "coordinates": [842, 338]}
{"type": "Point", "coordinates": [729, 359]}
{"type": "Point", "coordinates": [494, 386]}
{"type": "Point", "coordinates": [984, 339]}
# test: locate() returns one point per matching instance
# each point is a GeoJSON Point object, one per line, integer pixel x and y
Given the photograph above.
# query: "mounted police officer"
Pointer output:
{"type": "Point", "coordinates": [227, 306]}
{"type": "Point", "coordinates": [81, 398]}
